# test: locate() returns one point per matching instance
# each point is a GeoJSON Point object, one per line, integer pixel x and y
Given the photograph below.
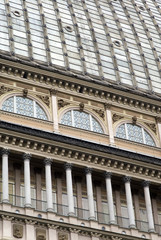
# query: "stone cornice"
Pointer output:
{"type": "Point", "coordinates": [79, 152]}
{"type": "Point", "coordinates": [61, 226]}
{"type": "Point", "coordinates": [72, 83]}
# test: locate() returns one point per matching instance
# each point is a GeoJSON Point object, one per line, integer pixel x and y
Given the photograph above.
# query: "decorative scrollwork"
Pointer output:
{"type": "Point", "coordinates": [45, 99]}
{"type": "Point", "coordinates": [62, 103]}
{"type": "Point", "coordinates": [152, 126]}
{"type": "Point", "coordinates": [116, 117]}
{"type": "Point", "coordinates": [4, 89]}
{"type": "Point", "coordinates": [100, 113]}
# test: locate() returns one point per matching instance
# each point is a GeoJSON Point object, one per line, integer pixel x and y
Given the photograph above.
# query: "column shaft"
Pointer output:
{"type": "Point", "coordinates": [148, 206]}
{"type": "Point", "coordinates": [110, 198]}
{"type": "Point", "coordinates": [5, 175]}
{"type": "Point", "coordinates": [129, 203]}
{"type": "Point", "coordinates": [55, 110]}
{"type": "Point", "coordinates": [27, 180]}
{"type": "Point", "coordinates": [69, 183]}
{"type": "Point", "coordinates": [90, 194]}
{"type": "Point", "coordinates": [48, 184]}
{"type": "Point", "coordinates": [110, 125]}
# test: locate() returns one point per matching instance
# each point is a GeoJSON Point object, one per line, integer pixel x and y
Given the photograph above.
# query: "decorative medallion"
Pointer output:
{"type": "Point", "coordinates": [62, 236]}
{"type": "Point", "coordinates": [45, 99]}
{"type": "Point", "coordinates": [40, 234]}
{"type": "Point", "coordinates": [116, 117]}
{"type": "Point", "coordinates": [152, 126]}
{"type": "Point", "coordinates": [100, 113]}
{"type": "Point", "coordinates": [81, 107]}
{"type": "Point", "coordinates": [25, 92]}
{"type": "Point", "coordinates": [17, 231]}
{"type": "Point", "coordinates": [134, 120]}
{"type": "Point", "coordinates": [4, 89]}
{"type": "Point", "coordinates": [62, 103]}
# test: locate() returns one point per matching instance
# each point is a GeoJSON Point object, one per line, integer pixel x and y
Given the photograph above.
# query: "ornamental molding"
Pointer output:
{"type": "Point", "coordinates": [62, 103]}
{"type": "Point", "coordinates": [100, 112]}
{"type": "Point", "coordinates": [65, 82]}
{"type": "Point", "coordinates": [152, 126]}
{"type": "Point", "coordinates": [67, 149]}
{"type": "Point", "coordinates": [4, 90]}
{"type": "Point", "coordinates": [116, 117]}
{"type": "Point", "coordinates": [45, 99]}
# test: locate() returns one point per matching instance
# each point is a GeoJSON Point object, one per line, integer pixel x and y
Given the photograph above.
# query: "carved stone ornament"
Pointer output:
{"type": "Point", "coordinates": [40, 234]}
{"type": "Point", "coordinates": [4, 89]}
{"type": "Point", "coordinates": [134, 120]}
{"type": "Point", "coordinates": [81, 107]}
{"type": "Point", "coordinates": [17, 231]}
{"type": "Point", "coordinates": [158, 119]}
{"type": "Point", "coordinates": [116, 117]}
{"type": "Point", "coordinates": [25, 92]}
{"type": "Point", "coordinates": [152, 126]}
{"type": "Point", "coordinates": [62, 236]}
{"type": "Point", "coordinates": [100, 113]}
{"type": "Point", "coordinates": [45, 99]}
{"type": "Point", "coordinates": [62, 103]}
{"type": "Point", "coordinates": [107, 105]}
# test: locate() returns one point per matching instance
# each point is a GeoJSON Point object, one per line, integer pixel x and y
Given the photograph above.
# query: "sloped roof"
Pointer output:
{"type": "Point", "coordinates": [115, 42]}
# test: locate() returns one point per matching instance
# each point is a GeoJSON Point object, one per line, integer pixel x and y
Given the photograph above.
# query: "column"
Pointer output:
{"type": "Point", "coordinates": [109, 123]}
{"type": "Point", "coordinates": [154, 201]}
{"type": "Point", "coordinates": [118, 204]}
{"type": "Point", "coordinates": [27, 158]}
{"type": "Point", "coordinates": [38, 177]}
{"type": "Point", "coordinates": [54, 109]}
{"type": "Point", "coordinates": [78, 181]}
{"type": "Point", "coordinates": [148, 206]}
{"type": "Point", "coordinates": [136, 207]}
{"type": "Point", "coordinates": [48, 181]}
{"type": "Point", "coordinates": [17, 168]}
{"type": "Point", "coordinates": [68, 168]}
{"type": "Point", "coordinates": [88, 172]}
{"type": "Point", "coordinates": [130, 209]}
{"type": "Point", "coordinates": [5, 153]}
{"type": "Point", "coordinates": [158, 121]}
{"type": "Point", "coordinates": [110, 197]}
{"type": "Point", "coordinates": [100, 215]}
{"type": "Point", "coordinates": [58, 176]}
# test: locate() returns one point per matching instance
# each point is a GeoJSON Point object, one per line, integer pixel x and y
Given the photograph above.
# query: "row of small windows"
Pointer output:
{"type": "Point", "coordinates": [77, 119]}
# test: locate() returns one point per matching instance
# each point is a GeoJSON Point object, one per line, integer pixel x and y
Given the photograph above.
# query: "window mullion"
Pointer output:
{"type": "Point", "coordinates": [14, 105]}
{"type": "Point", "coordinates": [90, 119]}
{"type": "Point", "coordinates": [34, 106]}
{"type": "Point", "coordinates": [143, 135]}
{"type": "Point", "coordinates": [126, 132]}
{"type": "Point", "coordinates": [72, 115]}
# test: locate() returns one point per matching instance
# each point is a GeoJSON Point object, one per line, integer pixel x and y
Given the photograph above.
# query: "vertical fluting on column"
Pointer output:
{"type": "Point", "coordinates": [88, 172]}
{"type": "Point", "coordinates": [58, 177]}
{"type": "Point", "coordinates": [68, 168]}
{"type": "Point", "coordinates": [109, 123]}
{"type": "Point", "coordinates": [130, 209]}
{"type": "Point", "coordinates": [38, 178]}
{"type": "Point", "coordinates": [5, 153]}
{"type": "Point", "coordinates": [110, 197]}
{"type": "Point", "coordinates": [148, 206]}
{"type": "Point", "coordinates": [27, 158]}
{"type": "Point", "coordinates": [17, 170]}
{"type": "Point", "coordinates": [54, 104]}
{"type": "Point", "coordinates": [78, 181]}
{"type": "Point", "coordinates": [48, 181]}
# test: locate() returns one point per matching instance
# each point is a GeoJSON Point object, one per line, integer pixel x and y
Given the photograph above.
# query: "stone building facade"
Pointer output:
{"type": "Point", "coordinates": [80, 119]}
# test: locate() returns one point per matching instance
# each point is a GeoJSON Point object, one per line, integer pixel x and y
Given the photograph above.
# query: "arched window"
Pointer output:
{"type": "Point", "coordinates": [81, 120]}
{"type": "Point", "coordinates": [24, 106]}
{"type": "Point", "coordinates": [134, 133]}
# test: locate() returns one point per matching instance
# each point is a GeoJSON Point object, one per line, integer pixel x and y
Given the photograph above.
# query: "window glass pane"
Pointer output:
{"type": "Point", "coordinates": [148, 139]}
{"type": "Point", "coordinates": [121, 131]}
{"type": "Point", "coordinates": [24, 106]}
{"type": "Point", "coordinates": [134, 133]}
{"type": "Point", "coordinates": [67, 119]}
{"type": "Point", "coordinates": [81, 120]}
{"type": "Point", "coordinates": [96, 126]}
{"type": "Point", "coordinates": [8, 105]}
{"type": "Point", "coordinates": [40, 113]}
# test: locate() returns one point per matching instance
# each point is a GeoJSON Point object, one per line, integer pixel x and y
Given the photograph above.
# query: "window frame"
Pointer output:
{"type": "Point", "coordinates": [143, 133]}
{"type": "Point", "coordinates": [35, 100]}
{"type": "Point", "coordinates": [91, 114]}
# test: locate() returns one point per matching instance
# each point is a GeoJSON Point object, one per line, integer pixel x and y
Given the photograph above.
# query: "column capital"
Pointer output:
{"type": "Point", "coordinates": [5, 151]}
{"type": "Point", "coordinates": [53, 91]}
{"type": "Point", "coordinates": [68, 166]}
{"type": "Point", "coordinates": [146, 183]}
{"type": "Point", "coordinates": [108, 174]}
{"type": "Point", "coordinates": [27, 156]}
{"type": "Point", "coordinates": [48, 161]}
{"type": "Point", "coordinates": [107, 106]}
{"type": "Point", "coordinates": [126, 179]}
{"type": "Point", "coordinates": [88, 170]}
{"type": "Point", "coordinates": [158, 119]}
